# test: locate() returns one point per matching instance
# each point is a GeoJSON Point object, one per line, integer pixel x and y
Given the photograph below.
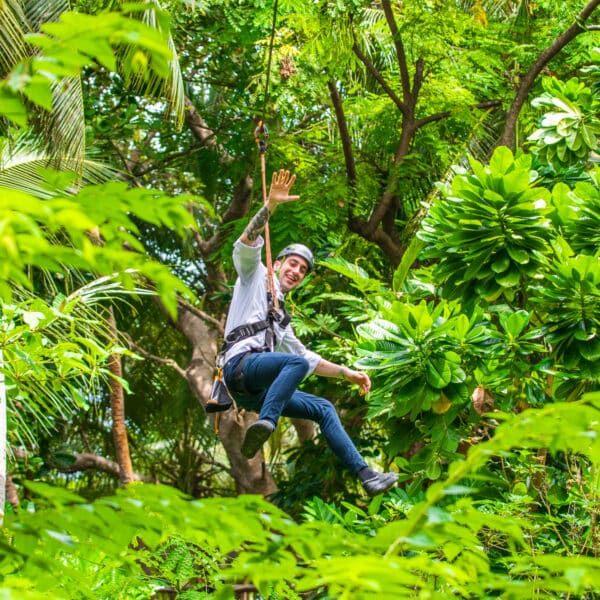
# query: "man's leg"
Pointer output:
{"type": "Point", "coordinates": [279, 374]}
{"type": "Point", "coordinates": [306, 406]}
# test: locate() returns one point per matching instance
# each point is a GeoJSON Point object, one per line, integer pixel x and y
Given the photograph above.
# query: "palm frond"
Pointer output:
{"type": "Point", "coordinates": [66, 125]}
{"type": "Point", "coordinates": [23, 159]}
{"type": "Point", "coordinates": [51, 366]}
{"type": "Point", "coordinates": [13, 27]}
{"type": "Point", "coordinates": [151, 84]}
{"type": "Point", "coordinates": [39, 12]}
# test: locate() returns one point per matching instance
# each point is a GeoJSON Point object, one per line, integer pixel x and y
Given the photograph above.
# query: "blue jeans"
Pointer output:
{"type": "Point", "coordinates": [271, 381]}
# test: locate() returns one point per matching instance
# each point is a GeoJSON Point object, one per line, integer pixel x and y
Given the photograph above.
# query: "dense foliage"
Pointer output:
{"type": "Point", "coordinates": [470, 535]}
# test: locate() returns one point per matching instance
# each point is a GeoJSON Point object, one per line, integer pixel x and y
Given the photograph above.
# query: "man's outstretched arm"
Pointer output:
{"type": "Point", "coordinates": [326, 368]}
{"type": "Point", "coordinates": [279, 193]}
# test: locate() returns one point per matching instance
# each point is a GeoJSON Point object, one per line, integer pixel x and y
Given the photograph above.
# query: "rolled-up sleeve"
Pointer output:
{"type": "Point", "coordinates": [246, 259]}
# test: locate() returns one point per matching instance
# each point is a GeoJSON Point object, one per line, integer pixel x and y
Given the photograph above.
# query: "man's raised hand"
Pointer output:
{"type": "Point", "coordinates": [281, 184]}
{"type": "Point", "coordinates": [279, 193]}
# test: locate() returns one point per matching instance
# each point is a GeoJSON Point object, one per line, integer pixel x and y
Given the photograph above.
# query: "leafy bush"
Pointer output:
{"type": "Point", "coordinates": [490, 234]}
{"type": "Point", "coordinates": [456, 539]}
{"type": "Point", "coordinates": [568, 131]}
{"type": "Point", "coordinates": [421, 350]}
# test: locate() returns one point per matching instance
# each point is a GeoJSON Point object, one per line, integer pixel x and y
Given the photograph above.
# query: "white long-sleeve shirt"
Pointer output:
{"type": "Point", "coordinates": [249, 305]}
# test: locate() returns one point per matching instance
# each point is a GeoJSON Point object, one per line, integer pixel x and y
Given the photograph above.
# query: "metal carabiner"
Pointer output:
{"type": "Point", "coordinates": [261, 135]}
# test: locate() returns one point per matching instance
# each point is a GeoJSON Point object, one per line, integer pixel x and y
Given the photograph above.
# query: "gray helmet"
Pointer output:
{"type": "Point", "coordinates": [298, 250]}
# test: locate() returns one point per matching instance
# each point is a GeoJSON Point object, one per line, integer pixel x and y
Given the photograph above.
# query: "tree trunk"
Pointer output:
{"type": "Point", "coordinates": [250, 476]}
{"type": "Point", "coordinates": [117, 405]}
{"type": "Point", "coordinates": [12, 495]}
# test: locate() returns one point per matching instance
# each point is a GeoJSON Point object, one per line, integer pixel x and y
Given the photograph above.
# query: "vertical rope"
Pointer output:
{"type": "Point", "coordinates": [273, 24]}
{"type": "Point", "coordinates": [261, 134]}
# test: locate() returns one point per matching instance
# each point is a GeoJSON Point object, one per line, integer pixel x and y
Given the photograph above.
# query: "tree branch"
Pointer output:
{"type": "Point", "coordinates": [378, 77]}
{"type": "Point", "coordinates": [203, 133]}
{"type": "Point", "coordinates": [379, 237]}
{"type": "Point", "coordinates": [448, 113]}
{"type": "Point", "coordinates": [208, 460]}
{"type": "Point", "coordinates": [159, 359]}
{"type": "Point", "coordinates": [351, 174]}
{"type": "Point", "coordinates": [218, 325]}
{"type": "Point", "coordinates": [240, 205]}
{"type": "Point", "coordinates": [87, 461]}
{"type": "Point", "coordinates": [576, 28]}
{"type": "Point", "coordinates": [417, 83]}
{"type": "Point", "coordinates": [400, 54]}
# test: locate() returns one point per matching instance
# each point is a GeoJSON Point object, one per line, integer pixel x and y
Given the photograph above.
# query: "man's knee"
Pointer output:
{"type": "Point", "coordinates": [300, 363]}
{"type": "Point", "coordinates": [327, 411]}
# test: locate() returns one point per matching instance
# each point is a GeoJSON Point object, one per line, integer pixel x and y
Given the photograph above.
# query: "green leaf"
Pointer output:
{"type": "Point", "coordinates": [439, 373]}
{"type": "Point", "coordinates": [433, 470]}
{"type": "Point", "coordinates": [589, 137]}
{"type": "Point", "coordinates": [38, 90]}
{"type": "Point", "coordinates": [509, 279]}
{"type": "Point", "coordinates": [54, 495]}
{"type": "Point", "coordinates": [12, 108]}
{"type": "Point", "coordinates": [501, 264]}
{"type": "Point", "coordinates": [519, 255]}
{"type": "Point", "coordinates": [590, 350]}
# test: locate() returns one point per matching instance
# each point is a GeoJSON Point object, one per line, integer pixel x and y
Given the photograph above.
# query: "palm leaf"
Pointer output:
{"type": "Point", "coordinates": [63, 128]}
{"type": "Point", "coordinates": [150, 83]}
{"type": "Point", "coordinates": [39, 12]}
{"type": "Point", "coordinates": [23, 160]}
{"type": "Point", "coordinates": [40, 390]}
{"type": "Point", "coordinates": [13, 26]}
{"type": "Point", "coordinates": [66, 125]}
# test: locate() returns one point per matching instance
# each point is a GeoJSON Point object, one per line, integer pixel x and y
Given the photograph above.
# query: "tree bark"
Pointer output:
{"type": "Point", "coordinates": [12, 496]}
{"type": "Point", "coordinates": [117, 405]}
{"type": "Point", "coordinates": [250, 476]}
{"type": "Point", "coordinates": [87, 461]}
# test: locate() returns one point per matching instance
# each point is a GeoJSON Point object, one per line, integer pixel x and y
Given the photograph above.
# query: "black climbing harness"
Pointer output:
{"type": "Point", "coordinates": [248, 330]}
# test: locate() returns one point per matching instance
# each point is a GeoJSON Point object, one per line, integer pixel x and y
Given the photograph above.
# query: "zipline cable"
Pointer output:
{"type": "Point", "coordinates": [261, 135]}
{"type": "Point", "coordinates": [270, 59]}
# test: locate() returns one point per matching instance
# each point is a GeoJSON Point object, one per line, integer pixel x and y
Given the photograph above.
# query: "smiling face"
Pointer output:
{"type": "Point", "coordinates": [291, 272]}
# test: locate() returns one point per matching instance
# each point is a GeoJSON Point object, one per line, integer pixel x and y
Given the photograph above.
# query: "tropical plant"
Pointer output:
{"type": "Point", "coordinates": [423, 351]}
{"type": "Point", "coordinates": [93, 231]}
{"type": "Point", "coordinates": [568, 303]}
{"type": "Point", "coordinates": [579, 212]}
{"type": "Point", "coordinates": [490, 233]}
{"type": "Point", "coordinates": [54, 353]}
{"type": "Point", "coordinates": [568, 132]}
{"type": "Point", "coordinates": [145, 537]}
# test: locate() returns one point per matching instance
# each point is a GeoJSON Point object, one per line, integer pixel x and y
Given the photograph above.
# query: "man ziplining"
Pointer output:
{"type": "Point", "coordinates": [264, 362]}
